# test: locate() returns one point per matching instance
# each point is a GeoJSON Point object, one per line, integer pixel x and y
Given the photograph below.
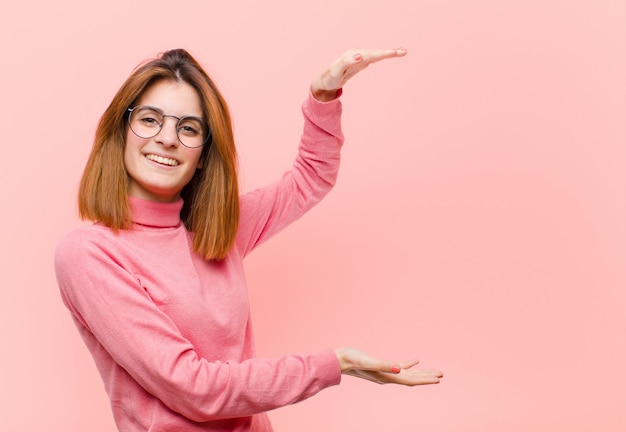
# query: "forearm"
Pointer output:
{"type": "Point", "coordinates": [266, 211]}
{"type": "Point", "coordinates": [221, 390]}
{"type": "Point", "coordinates": [143, 354]}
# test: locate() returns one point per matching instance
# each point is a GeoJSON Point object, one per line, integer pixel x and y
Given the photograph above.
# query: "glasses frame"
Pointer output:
{"type": "Point", "coordinates": [179, 120]}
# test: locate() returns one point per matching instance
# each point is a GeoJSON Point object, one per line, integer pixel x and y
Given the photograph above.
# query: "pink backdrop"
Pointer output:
{"type": "Point", "coordinates": [479, 222]}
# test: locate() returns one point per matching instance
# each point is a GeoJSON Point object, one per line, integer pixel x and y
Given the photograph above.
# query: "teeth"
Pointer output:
{"type": "Point", "coordinates": [162, 160]}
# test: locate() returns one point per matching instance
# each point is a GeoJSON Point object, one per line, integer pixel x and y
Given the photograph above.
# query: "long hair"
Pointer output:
{"type": "Point", "coordinates": [211, 198]}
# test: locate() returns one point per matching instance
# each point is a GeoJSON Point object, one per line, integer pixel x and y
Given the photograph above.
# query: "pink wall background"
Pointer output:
{"type": "Point", "coordinates": [479, 222]}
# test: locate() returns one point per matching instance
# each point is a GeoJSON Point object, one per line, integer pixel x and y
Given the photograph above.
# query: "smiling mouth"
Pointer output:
{"type": "Point", "coordinates": [162, 160]}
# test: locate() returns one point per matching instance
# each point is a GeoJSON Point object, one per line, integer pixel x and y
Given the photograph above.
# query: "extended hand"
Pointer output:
{"type": "Point", "coordinates": [357, 363]}
{"type": "Point", "coordinates": [325, 86]}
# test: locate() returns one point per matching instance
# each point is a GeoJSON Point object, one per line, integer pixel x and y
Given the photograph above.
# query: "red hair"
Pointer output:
{"type": "Point", "coordinates": [211, 198]}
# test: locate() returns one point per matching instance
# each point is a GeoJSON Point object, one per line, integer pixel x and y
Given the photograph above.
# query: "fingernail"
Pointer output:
{"type": "Point", "coordinates": [358, 57]}
{"type": "Point", "coordinates": [395, 369]}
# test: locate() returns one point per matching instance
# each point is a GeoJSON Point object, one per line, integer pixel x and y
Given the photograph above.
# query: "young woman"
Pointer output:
{"type": "Point", "coordinates": [156, 285]}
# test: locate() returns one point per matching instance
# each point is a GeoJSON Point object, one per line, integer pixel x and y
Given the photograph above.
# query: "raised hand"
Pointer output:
{"type": "Point", "coordinates": [357, 363]}
{"type": "Point", "coordinates": [326, 85]}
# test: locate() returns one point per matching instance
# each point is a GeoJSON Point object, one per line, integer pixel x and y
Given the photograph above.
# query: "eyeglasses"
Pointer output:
{"type": "Point", "coordinates": [147, 122]}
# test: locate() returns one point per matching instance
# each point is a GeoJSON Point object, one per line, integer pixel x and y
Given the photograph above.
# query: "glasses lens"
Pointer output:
{"type": "Point", "coordinates": [191, 131]}
{"type": "Point", "coordinates": [145, 122]}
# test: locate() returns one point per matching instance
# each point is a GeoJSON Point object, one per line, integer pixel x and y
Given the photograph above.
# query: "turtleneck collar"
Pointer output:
{"type": "Point", "coordinates": [155, 214]}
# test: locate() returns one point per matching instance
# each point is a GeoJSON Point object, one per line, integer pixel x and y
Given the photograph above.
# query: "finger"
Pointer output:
{"type": "Point", "coordinates": [428, 374]}
{"type": "Point", "coordinates": [409, 364]}
{"type": "Point", "coordinates": [397, 367]}
{"type": "Point", "coordinates": [410, 378]}
{"type": "Point", "coordinates": [363, 57]}
{"type": "Point", "coordinates": [418, 377]}
{"type": "Point", "coordinates": [349, 59]}
{"type": "Point", "coordinates": [375, 55]}
{"type": "Point", "coordinates": [390, 367]}
{"type": "Point", "coordinates": [383, 366]}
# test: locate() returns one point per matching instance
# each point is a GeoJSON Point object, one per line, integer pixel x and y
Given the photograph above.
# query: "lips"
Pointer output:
{"type": "Point", "coordinates": [162, 160]}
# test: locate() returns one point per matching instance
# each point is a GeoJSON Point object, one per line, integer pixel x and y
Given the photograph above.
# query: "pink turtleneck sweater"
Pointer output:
{"type": "Point", "coordinates": [170, 332]}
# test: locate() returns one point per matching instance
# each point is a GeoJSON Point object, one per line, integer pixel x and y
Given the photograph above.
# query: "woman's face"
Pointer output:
{"type": "Point", "coordinates": [159, 167]}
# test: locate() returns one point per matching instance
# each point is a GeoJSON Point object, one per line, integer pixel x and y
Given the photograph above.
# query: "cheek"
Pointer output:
{"type": "Point", "coordinates": [201, 162]}
{"type": "Point", "coordinates": [131, 142]}
{"type": "Point", "coordinates": [196, 159]}
{"type": "Point", "coordinates": [131, 150]}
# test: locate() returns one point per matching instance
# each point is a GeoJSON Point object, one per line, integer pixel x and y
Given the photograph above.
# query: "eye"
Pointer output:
{"type": "Point", "coordinates": [190, 127]}
{"type": "Point", "coordinates": [147, 117]}
{"type": "Point", "coordinates": [149, 120]}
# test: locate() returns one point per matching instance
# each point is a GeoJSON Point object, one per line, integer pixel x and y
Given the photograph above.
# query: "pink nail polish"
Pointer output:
{"type": "Point", "coordinates": [358, 57]}
{"type": "Point", "coordinates": [395, 369]}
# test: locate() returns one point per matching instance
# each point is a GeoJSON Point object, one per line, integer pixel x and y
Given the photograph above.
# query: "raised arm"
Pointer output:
{"type": "Point", "coordinates": [267, 210]}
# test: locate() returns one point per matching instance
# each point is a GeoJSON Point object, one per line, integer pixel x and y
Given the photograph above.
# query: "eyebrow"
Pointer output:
{"type": "Point", "coordinates": [160, 111]}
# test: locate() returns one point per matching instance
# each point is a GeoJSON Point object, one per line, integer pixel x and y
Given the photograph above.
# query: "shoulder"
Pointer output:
{"type": "Point", "coordinates": [85, 235]}
{"type": "Point", "coordinates": [78, 244]}
{"type": "Point", "coordinates": [87, 257]}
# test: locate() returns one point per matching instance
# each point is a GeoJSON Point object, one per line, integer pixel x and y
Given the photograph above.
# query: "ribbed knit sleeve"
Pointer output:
{"type": "Point", "coordinates": [267, 210]}
{"type": "Point", "coordinates": [141, 352]}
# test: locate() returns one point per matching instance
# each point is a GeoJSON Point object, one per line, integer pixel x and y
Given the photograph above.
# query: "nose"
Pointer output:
{"type": "Point", "coordinates": [168, 135]}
